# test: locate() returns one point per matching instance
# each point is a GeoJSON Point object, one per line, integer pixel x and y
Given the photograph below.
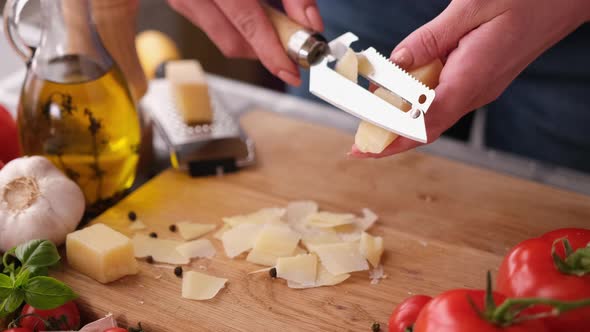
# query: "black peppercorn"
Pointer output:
{"type": "Point", "coordinates": [132, 216]}
{"type": "Point", "coordinates": [149, 259]}
{"type": "Point", "coordinates": [376, 327]}
{"type": "Point", "coordinates": [153, 234]}
{"type": "Point", "coordinates": [273, 272]}
{"type": "Point", "coordinates": [172, 228]}
{"type": "Point", "coordinates": [178, 271]}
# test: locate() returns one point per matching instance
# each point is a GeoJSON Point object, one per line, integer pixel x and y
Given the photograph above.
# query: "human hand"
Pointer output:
{"type": "Point", "coordinates": [486, 44]}
{"type": "Point", "coordinates": [241, 29]}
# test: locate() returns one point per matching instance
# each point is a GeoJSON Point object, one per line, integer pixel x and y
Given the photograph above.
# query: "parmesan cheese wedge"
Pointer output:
{"type": "Point", "coordinates": [261, 217]}
{"type": "Point", "coordinates": [374, 139]}
{"type": "Point", "coordinates": [324, 278]}
{"type": "Point", "coordinates": [199, 286]}
{"type": "Point", "coordinates": [191, 231]}
{"type": "Point", "coordinates": [202, 248]}
{"type": "Point", "coordinates": [329, 219]}
{"type": "Point", "coordinates": [372, 248]}
{"type": "Point", "coordinates": [240, 239]}
{"type": "Point", "coordinates": [163, 251]}
{"type": "Point", "coordinates": [301, 269]}
{"type": "Point", "coordinates": [348, 65]}
{"type": "Point", "coordinates": [190, 92]}
{"type": "Point", "coordinates": [341, 258]}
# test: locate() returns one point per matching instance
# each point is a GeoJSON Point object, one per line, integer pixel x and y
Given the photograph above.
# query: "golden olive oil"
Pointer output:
{"type": "Point", "coordinates": [82, 118]}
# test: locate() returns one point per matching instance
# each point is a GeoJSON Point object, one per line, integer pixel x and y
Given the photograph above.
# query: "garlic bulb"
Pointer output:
{"type": "Point", "coordinates": [37, 201]}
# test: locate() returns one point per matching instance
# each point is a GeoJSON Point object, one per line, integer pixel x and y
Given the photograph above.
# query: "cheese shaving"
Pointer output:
{"type": "Point", "coordinates": [221, 231]}
{"type": "Point", "coordinates": [372, 248]}
{"type": "Point", "coordinates": [329, 219]}
{"type": "Point", "coordinates": [324, 278]}
{"type": "Point", "coordinates": [301, 269]}
{"type": "Point", "coordinates": [341, 258]}
{"type": "Point", "coordinates": [377, 274]}
{"type": "Point", "coordinates": [261, 217]}
{"type": "Point", "coordinates": [191, 231]}
{"type": "Point", "coordinates": [274, 241]}
{"type": "Point", "coordinates": [240, 239]}
{"type": "Point", "coordinates": [202, 248]}
{"type": "Point", "coordinates": [199, 286]}
{"type": "Point", "coordinates": [298, 211]}
{"type": "Point", "coordinates": [163, 251]}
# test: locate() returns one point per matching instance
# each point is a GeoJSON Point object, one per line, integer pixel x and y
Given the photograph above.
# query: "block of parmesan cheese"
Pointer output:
{"type": "Point", "coordinates": [374, 139]}
{"type": "Point", "coordinates": [189, 91]}
{"type": "Point", "coordinates": [101, 253]}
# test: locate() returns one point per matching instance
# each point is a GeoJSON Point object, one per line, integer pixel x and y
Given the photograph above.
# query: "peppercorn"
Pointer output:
{"type": "Point", "coordinates": [273, 272]}
{"type": "Point", "coordinates": [172, 228]}
{"type": "Point", "coordinates": [153, 234]}
{"type": "Point", "coordinates": [149, 259]}
{"type": "Point", "coordinates": [132, 216]}
{"type": "Point", "coordinates": [376, 327]}
{"type": "Point", "coordinates": [178, 271]}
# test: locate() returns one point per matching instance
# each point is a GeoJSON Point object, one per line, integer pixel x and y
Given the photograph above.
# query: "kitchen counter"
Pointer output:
{"type": "Point", "coordinates": [241, 97]}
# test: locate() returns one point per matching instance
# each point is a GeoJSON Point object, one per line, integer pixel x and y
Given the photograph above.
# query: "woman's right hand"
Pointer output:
{"type": "Point", "coordinates": [241, 29]}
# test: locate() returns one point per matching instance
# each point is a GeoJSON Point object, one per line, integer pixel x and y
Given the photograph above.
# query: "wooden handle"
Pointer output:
{"type": "Point", "coordinates": [116, 24]}
{"type": "Point", "coordinates": [284, 26]}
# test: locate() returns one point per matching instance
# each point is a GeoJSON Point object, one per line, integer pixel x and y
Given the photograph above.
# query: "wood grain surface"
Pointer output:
{"type": "Point", "coordinates": [444, 225]}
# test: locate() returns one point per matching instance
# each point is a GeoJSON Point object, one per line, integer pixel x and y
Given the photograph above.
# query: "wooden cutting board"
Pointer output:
{"type": "Point", "coordinates": [444, 224]}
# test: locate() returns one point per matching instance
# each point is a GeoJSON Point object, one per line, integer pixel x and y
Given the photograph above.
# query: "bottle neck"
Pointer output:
{"type": "Point", "coordinates": [69, 30]}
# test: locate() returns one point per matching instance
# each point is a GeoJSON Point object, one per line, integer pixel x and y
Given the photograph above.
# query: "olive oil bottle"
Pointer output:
{"type": "Point", "coordinates": [82, 118]}
{"type": "Point", "coordinates": [75, 107]}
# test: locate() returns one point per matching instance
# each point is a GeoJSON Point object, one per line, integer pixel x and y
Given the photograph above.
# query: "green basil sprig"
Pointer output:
{"type": "Point", "coordinates": [25, 278]}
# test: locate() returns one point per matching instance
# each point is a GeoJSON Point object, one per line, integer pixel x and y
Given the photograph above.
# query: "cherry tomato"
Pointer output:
{"type": "Point", "coordinates": [18, 329]}
{"type": "Point", "coordinates": [9, 148]}
{"type": "Point", "coordinates": [116, 329]}
{"type": "Point", "coordinates": [451, 311]}
{"type": "Point", "coordinates": [405, 314]}
{"type": "Point", "coordinates": [529, 271]}
{"type": "Point", "coordinates": [65, 317]}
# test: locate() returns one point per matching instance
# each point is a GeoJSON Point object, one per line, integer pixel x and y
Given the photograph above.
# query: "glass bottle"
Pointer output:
{"type": "Point", "coordinates": [75, 106]}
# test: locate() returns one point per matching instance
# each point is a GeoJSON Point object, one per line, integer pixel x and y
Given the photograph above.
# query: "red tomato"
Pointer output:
{"type": "Point", "coordinates": [18, 329]}
{"type": "Point", "coordinates": [65, 317]}
{"type": "Point", "coordinates": [405, 314]}
{"type": "Point", "coordinates": [9, 146]}
{"type": "Point", "coordinates": [452, 312]}
{"type": "Point", "coordinates": [116, 329]}
{"type": "Point", "coordinates": [529, 271]}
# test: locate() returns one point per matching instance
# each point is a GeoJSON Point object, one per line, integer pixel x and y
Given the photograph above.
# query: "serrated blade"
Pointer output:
{"type": "Point", "coordinates": [391, 77]}
{"type": "Point", "coordinates": [356, 100]}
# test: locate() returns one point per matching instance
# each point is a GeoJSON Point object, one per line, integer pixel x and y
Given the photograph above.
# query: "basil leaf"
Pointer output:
{"type": "Point", "coordinates": [37, 253]}
{"type": "Point", "coordinates": [13, 301]}
{"type": "Point", "coordinates": [47, 293]}
{"type": "Point", "coordinates": [6, 286]}
{"type": "Point", "coordinates": [22, 278]}
{"type": "Point", "coordinates": [39, 271]}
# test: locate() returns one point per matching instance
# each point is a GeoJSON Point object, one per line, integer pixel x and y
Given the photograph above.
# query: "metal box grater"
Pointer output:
{"type": "Point", "coordinates": [208, 149]}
